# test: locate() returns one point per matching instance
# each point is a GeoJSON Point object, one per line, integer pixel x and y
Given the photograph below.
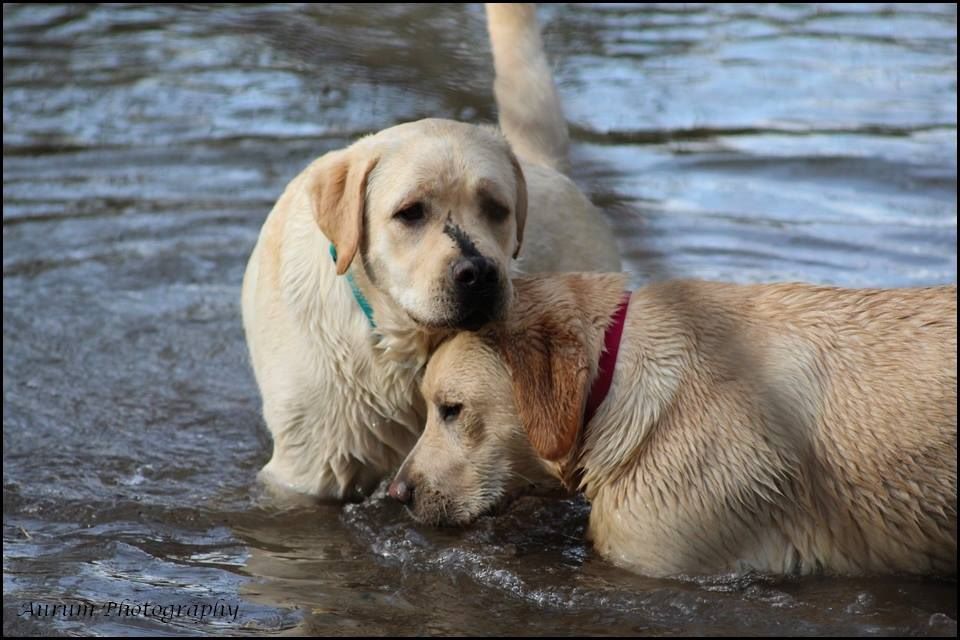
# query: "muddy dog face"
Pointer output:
{"type": "Point", "coordinates": [435, 209]}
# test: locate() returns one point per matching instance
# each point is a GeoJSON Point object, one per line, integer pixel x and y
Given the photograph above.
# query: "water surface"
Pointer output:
{"type": "Point", "coordinates": [143, 147]}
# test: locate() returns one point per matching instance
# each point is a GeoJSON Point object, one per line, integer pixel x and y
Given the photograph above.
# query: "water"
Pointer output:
{"type": "Point", "coordinates": [143, 147]}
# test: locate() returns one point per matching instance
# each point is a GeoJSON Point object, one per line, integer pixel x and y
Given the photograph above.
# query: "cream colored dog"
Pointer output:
{"type": "Point", "coordinates": [782, 428]}
{"type": "Point", "coordinates": [411, 230]}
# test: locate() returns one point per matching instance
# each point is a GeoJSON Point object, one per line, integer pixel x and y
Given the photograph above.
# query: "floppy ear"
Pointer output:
{"type": "Point", "coordinates": [337, 187]}
{"type": "Point", "coordinates": [549, 368]}
{"type": "Point", "coordinates": [521, 201]}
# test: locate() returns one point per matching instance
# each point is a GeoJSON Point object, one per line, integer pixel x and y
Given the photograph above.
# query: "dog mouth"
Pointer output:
{"type": "Point", "coordinates": [445, 512]}
{"type": "Point", "coordinates": [473, 309]}
{"type": "Point", "coordinates": [450, 517]}
{"type": "Point", "coordinates": [466, 315]}
{"type": "Point", "coordinates": [472, 317]}
{"type": "Point", "coordinates": [440, 520]}
{"type": "Point", "coordinates": [442, 516]}
{"type": "Point", "coordinates": [437, 508]}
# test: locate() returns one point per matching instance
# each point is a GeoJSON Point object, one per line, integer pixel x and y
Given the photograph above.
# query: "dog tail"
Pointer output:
{"type": "Point", "coordinates": [531, 117]}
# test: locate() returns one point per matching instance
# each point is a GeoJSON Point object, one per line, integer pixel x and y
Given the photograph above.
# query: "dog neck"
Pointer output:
{"type": "Point", "coordinates": [552, 343]}
{"type": "Point", "coordinates": [571, 468]}
{"type": "Point", "coordinates": [608, 360]}
{"type": "Point", "coordinates": [656, 357]}
{"type": "Point", "coordinates": [358, 296]}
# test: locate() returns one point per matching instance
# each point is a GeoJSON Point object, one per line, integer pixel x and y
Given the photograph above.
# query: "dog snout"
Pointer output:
{"type": "Point", "coordinates": [474, 273]}
{"type": "Point", "coordinates": [401, 489]}
{"type": "Point", "coordinates": [479, 292]}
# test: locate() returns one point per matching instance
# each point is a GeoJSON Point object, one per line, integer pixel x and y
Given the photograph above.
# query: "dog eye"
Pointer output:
{"type": "Point", "coordinates": [495, 210]}
{"type": "Point", "coordinates": [450, 411]}
{"type": "Point", "coordinates": [411, 214]}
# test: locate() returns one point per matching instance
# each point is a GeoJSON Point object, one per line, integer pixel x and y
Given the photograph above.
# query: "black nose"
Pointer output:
{"type": "Point", "coordinates": [401, 490]}
{"type": "Point", "coordinates": [473, 273]}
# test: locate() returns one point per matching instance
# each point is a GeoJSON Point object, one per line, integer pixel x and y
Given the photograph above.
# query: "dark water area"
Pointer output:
{"type": "Point", "coordinates": [142, 149]}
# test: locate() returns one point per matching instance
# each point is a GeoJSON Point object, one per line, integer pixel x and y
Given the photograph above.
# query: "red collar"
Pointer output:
{"type": "Point", "coordinates": [608, 359]}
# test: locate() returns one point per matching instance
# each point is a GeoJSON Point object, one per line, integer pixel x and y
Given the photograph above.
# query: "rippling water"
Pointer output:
{"type": "Point", "coordinates": [143, 147]}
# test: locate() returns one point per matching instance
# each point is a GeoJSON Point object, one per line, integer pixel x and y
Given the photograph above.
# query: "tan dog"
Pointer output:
{"type": "Point", "coordinates": [783, 428]}
{"type": "Point", "coordinates": [423, 219]}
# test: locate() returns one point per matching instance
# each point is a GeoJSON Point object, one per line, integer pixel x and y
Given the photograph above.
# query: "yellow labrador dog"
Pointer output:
{"type": "Point", "coordinates": [373, 252]}
{"type": "Point", "coordinates": [784, 428]}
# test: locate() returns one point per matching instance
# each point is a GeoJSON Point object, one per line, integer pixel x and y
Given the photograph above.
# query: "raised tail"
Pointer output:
{"type": "Point", "coordinates": [531, 117]}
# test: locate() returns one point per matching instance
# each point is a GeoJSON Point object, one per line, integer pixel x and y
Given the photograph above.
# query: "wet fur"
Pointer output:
{"type": "Point", "coordinates": [782, 428]}
{"type": "Point", "coordinates": [341, 400]}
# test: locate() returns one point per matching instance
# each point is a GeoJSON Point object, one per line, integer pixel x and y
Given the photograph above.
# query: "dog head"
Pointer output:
{"type": "Point", "coordinates": [433, 211]}
{"type": "Point", "coordinates": [474, 452]}
{"type": "Point", "coordinates": [505, 405]}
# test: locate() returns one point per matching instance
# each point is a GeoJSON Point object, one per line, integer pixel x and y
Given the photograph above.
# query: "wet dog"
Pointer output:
{"type": "Point", "coordinates": [376, 251]}
{"type": "Point", "coordinates": [783, 428]}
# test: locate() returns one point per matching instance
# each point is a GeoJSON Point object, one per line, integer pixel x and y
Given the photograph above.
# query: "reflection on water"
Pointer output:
{"type": "Point", "coordinates": [143, 146]}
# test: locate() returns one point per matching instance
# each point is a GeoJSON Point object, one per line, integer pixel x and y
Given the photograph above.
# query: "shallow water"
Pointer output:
{"type": "Point", "coordinates": [143, 147]}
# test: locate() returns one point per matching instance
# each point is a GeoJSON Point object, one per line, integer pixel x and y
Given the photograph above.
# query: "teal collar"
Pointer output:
{"type": "Point", "coordinates": [357, 294]}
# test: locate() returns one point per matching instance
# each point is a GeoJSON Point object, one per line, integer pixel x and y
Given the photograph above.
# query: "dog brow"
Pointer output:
{"type": "Point", "coordinates": [490, 189]}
